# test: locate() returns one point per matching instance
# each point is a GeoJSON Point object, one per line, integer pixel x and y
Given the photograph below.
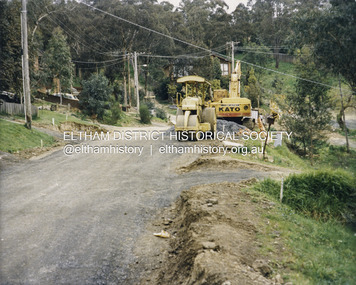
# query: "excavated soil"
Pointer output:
{"type": "Point", "coordinates": [213, 239]}
{"type": "Point", "coordinates": [219, 163]}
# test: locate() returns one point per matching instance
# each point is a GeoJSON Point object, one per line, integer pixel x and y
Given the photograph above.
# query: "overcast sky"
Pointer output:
{"type": "Point", "coordinates": [231, 3]}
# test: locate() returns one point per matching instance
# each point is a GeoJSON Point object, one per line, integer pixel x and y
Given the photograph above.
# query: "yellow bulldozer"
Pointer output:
{"type": "Point", "coordinates": [195, 113]}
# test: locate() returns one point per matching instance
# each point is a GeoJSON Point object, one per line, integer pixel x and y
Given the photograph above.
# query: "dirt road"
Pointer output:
{"type": "Point", "coordinates": [76, 219]}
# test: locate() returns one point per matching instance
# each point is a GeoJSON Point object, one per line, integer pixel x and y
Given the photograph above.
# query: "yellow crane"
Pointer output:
{"type": "Point", "coordinates": [229, 105]}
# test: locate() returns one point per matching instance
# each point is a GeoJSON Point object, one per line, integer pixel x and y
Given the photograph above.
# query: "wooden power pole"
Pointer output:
{"type": "Point", "coordinates": [136, 83]}
{"type": "Point", "coordinates": [25, 66]}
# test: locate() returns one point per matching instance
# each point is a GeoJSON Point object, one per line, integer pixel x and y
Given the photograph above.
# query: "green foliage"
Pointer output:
{"type": "Point", "coordinates": [208, 67]}
{"type": "Point", "coordinates": [145, 115]}
{"type": "Point", "coordinates": [57, 61]}
{"type": "Point", "coordinates": [337, 157]}
{"type": "Point", "coordinates": [253, 89]}
{"type": "Point", "coordinates": [95, 94]}
{"type": "Point", "coordinates": [256, 54]}
{"type": "Point", "coordinates": [313, 252]}
{"type": "Point", "coordinates": [308, 109]}
{"type": "Point", "coordinates": [10, 46]}
{"type": "Point", "coordinates": [160, 113]}
{"type": "Point", "coordinates": [161, 90]}
{"type": "Point", "coordinates": [224, 82]}
{"type": "Point", "coordinates": [112, 116]}
{"type": "Point", "coordinates": [283, 156]}
{"type": "Point", "coordinates": [15, 137]}
{"type": "Point", "coordinates": [277, 83]}
{"type": "Point", "coordinates": [322, 194]}
{"type": "Point", "coordinates": [45, 117]}
{"type": "Point", "coordinates": [331, 33]}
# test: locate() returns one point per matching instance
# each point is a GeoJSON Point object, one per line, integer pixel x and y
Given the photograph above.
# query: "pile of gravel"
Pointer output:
{"type": "Point", "coordinates": [221, 126]}
{"type": "Point", "coordinates": [169, 131]}
{"type": "Point", "coordinates": [228, 126]}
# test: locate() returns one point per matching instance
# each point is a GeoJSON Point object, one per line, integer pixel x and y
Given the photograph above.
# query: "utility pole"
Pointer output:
{"type": "Point", "coordinates": [129, 79]}
{"type": "Point", "coordinates": [25, 72]}
{"type": "Point", "coordinates": [232, 57]}
{"type": "Point", "coordinates": [343, 116]}
{"type": "Point", "coordinates": [136, 83]}
{"type": "Point", "coordinates": [125, 91]}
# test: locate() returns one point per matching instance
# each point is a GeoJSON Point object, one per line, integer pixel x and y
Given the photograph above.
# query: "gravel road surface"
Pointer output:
{"type": "Point", "coordinates": [76, 219]}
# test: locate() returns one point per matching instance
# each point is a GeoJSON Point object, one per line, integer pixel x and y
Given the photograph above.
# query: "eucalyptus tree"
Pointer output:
{"type": "Point", "coordinates": [57, 62]}
{"type": "Point", "coordinates": [330, 30]}
{"type": "Point", "coordinates": [309, 107]}
{"type": "Point", "coordinates": [271, 20]}
{"type": "Point", "coordinates": [10, 46]}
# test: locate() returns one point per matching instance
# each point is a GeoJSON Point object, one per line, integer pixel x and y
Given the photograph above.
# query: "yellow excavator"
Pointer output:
{"type": "Point", "coordinates": [195, 113]}
{"type": "Point", "coordinates": [229, 105]}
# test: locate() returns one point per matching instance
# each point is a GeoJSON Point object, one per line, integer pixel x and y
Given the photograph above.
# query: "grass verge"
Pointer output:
{"type": "Point", "coordinates": [15, 137]}
{"type": "Point", "coordinates": [315, 252]}
{"type": "Point", "coordinates": [46, 117]}
{"type": "Point", "coordinates": [304, 250]}
{"type": "Point", "coordinates": [322, 194]}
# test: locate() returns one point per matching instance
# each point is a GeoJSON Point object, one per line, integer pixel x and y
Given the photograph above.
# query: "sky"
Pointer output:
{"type": "Point", "coordinates": [231, 3]}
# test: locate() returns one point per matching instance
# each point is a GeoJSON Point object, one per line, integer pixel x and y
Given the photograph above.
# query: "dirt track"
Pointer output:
{"type": "Point", "coordinates": [77, 219]}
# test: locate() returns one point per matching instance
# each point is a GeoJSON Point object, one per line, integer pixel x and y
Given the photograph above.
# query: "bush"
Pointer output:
{"type": "Point", "coordinates": [160, 113]}
{"type": "Point", "coordinates": [321, 194]}
{"type": "Point", "coordinates": [96, 92]}
{"type": "Point", "coordinates": [111, 116]}
{"type": "Point", "coordinates": [145, 115]}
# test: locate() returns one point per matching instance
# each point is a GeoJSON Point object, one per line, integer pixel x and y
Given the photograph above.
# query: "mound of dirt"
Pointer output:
{"type": "Point", "coordinates": [214, 240]}
{"type": "Point", "coordinates": [220, 163]}
{"type": "Point", "coordinates": [75, 127]}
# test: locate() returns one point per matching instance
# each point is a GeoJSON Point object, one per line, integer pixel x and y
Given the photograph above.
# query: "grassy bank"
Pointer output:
{"type": "Point", "coordinates": [46, 117]}
{"type": "Point", "coordinates": [305, 250]}
{"type": "Point", "coordinates": [309, 251]}
{"type": "Point", "coordinates": [322, 194]}
{"type": "Point", "coordinates": [16, 137]}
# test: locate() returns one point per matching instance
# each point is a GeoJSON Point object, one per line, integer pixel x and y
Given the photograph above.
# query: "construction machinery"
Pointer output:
{"type": "Point", "coordinates": [195, 113]}
{"type": "Point", "coordinates": [229, 105]}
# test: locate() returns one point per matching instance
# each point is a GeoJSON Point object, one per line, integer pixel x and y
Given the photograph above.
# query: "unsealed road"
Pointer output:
{"type": "Point", "coordinates": [76, 219]}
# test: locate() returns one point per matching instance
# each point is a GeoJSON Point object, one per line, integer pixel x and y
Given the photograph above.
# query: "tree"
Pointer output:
{"type": "Point", "coordinates": [57, 61]}
{"type": "Point", "coordinates": [331, 31]}
{"type": "Point", "coordinates": [252, 89]}
{"type": "Point", "coordinates": [309, 107]}
{"type": "Point", "coordinates": [333, 36]}
{"type": "Point", "coordinates": [242, 28]}
{"type": "Point", "coordinates": [10, 46]}
{"type": "Point", "coordinates": [208, 67]}
{"type": "Point", "coordinates": [95, 95]}
{"type": "Point", "coordinates": [145, 115]}
{"type": "Point", "coordinates": [272, 23]}
{"type": "Point", "coordinates": [256, 54]}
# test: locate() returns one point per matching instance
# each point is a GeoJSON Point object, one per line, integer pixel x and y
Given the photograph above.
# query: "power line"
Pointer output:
{"type": "Point", "coordinates": [103, 66]}
{"type": "Point", "coordinates": [290, 75]}
{"type": "Point", "coordinates": [145, 28]}
{"type": "Point", "coordinates": [171, 56]}
{"type": "Point", "coordinates": [96, 62]}
{"type": "Point", "coordinates": [205, 49]}
{"type": "Point", "coordinates": [256, 51]}
{"type": "Point", "coordinates": [72, 34]}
